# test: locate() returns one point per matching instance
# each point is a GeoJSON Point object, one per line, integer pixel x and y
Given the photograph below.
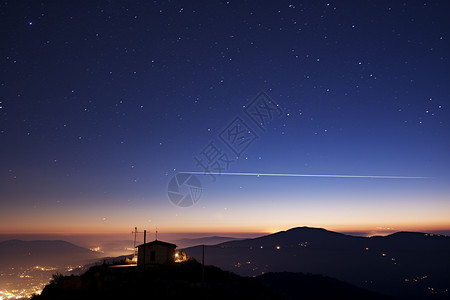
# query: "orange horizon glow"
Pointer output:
{"type": "Point", "coordinates": [220, 227]}
{"type": "Point", "coordinates": [252, 230]}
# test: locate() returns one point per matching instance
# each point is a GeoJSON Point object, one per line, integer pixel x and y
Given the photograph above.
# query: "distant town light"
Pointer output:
{"type": "Point", "coordinates": [96, 249]}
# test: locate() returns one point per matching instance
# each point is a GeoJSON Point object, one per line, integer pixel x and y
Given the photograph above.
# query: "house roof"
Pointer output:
{"type": "Point", "coordinates": [161, 243]}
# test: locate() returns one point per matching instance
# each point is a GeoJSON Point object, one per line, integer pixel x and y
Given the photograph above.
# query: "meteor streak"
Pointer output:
{"type": "Point", "coordinates": [308, 175]}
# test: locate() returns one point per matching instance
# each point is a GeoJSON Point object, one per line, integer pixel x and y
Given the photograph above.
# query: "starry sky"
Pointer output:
{"type": "Point", "coordinates": [102, 103]}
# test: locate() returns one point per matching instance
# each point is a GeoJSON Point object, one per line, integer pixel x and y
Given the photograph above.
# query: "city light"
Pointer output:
{"type": "Point", "coordinates": [26, 281]}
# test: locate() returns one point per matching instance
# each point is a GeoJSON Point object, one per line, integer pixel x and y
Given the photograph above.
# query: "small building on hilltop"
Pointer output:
{"type": "Point", "coordinates": [156, 252]}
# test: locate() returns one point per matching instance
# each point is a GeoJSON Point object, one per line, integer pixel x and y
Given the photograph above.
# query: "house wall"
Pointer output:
{"type": "Point", "coordinates": [162, 254]}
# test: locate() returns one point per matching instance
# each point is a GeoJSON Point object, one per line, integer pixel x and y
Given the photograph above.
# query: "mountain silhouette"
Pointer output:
{"type": "Point", "coordinates": [14, 253]}
{"type": "Point", "coordinates": [407, 265]}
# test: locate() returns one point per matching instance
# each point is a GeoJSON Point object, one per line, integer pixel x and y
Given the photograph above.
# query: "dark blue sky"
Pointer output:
{"type": "Point", "coordinates": [102, 103]}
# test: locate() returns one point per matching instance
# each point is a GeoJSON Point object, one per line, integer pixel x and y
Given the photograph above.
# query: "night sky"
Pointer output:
{"type": "Point", "coordinates": [103, 102]}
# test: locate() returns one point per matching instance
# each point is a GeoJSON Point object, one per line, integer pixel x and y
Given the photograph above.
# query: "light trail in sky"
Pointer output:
{"type": "Point", "coordinates": [307, 175]}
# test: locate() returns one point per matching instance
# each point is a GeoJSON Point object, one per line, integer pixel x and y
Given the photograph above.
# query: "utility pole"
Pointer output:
{"type": "Point", "coordinates": [203, 263]}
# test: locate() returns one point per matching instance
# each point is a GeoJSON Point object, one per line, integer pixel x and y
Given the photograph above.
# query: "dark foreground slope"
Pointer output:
{"type": "Point", "coordinates": [184, 281]}
{"type": "Point", "coordinates": [308, 286]}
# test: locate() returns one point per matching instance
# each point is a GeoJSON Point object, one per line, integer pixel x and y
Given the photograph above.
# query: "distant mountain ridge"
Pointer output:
{"type": "Point", "coordinates": [409, 265]}
{"type": "Point", "coordinates": [210, 240]}
{"type": "Point", "coordinates": [43, 252]}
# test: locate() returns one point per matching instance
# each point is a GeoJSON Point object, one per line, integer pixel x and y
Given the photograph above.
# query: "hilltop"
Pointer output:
{"type": "Point", "coordinates": [184, 280]}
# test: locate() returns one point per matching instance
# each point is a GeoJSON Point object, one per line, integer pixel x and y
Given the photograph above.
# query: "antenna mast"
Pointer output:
{"type": "Point", "coordinates": [135, 232]}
